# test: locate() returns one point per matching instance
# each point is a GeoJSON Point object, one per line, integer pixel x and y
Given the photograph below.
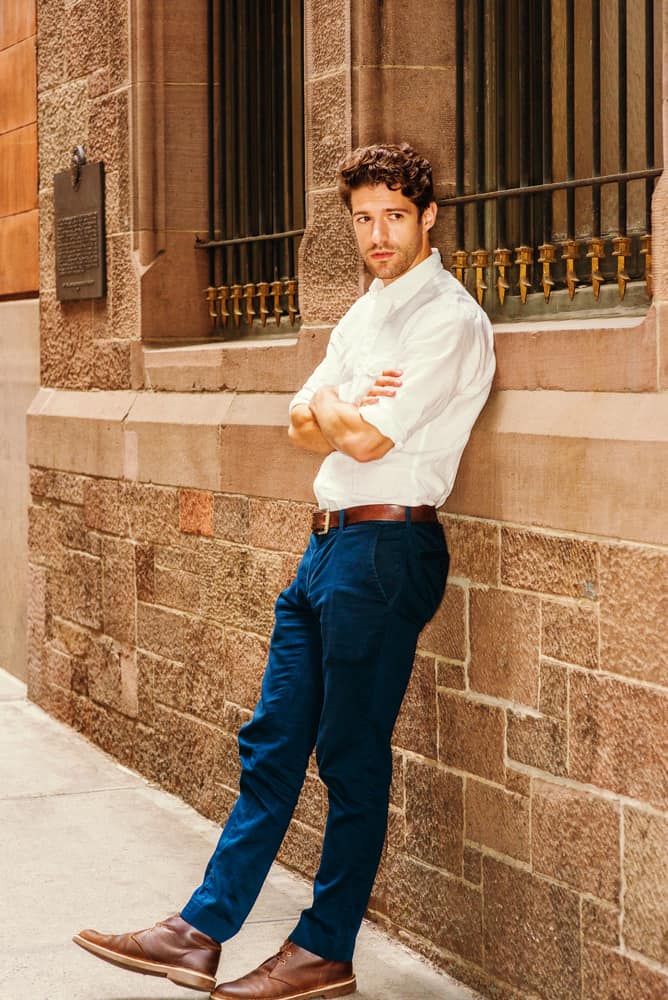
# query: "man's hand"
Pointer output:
{"type": "Point", "coordinates": [385, 385]}
{"type": "Point", "coordinates": [305, 432]}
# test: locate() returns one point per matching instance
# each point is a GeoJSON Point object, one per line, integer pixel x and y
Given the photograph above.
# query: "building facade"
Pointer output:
{"type": "Point", "coordinates": [527, 844]}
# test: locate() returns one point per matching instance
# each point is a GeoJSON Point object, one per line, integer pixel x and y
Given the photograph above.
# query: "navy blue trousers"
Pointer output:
{"type": "Point", "coordinates": [339, 662]}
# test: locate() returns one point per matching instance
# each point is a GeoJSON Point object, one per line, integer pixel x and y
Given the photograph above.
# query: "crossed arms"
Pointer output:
{"type": "Point", "coordinates": [327, 424]}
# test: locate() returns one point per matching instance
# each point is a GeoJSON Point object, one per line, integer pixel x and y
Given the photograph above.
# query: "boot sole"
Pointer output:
{"type": "Point", "coordinates": [345, 989]}
{"type": "Point", "coordinates": [176, 974]}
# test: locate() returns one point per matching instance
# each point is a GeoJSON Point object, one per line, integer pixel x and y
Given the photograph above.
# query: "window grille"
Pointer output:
{"type": "Point", "coordinates": [557, 133]}
{"type": "Point", "coordinates": [256, 162]}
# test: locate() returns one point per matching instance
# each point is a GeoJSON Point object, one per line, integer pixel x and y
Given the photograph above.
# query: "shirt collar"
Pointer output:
{"type": "Point", "coordinates": [405, 287]}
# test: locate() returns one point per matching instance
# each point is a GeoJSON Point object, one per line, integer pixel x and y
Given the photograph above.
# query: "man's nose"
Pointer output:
{"type": "Point", "coordinates": [379, 231]}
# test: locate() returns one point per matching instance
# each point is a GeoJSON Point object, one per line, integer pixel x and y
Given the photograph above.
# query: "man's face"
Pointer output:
{"type": "Point", "coordinates": [391, 237]}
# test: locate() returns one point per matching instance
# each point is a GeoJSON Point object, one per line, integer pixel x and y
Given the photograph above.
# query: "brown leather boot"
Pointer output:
{"type": "Point", "coordinates": [172, 948]}
{"type": "Point", "coordinates": [292, 974]}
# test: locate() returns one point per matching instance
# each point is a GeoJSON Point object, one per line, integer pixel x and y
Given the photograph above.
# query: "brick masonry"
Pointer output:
{"type": "Point", "coordinates": [526, 849]}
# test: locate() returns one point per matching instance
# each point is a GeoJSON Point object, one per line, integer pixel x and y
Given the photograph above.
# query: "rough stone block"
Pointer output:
{"type": "Point", "coordinates": [327, 115]}
{"type": "Point", "coordinates": [434, 905]}
{"type": "Point", "coordinates": [445, 634]}
{"type": "Point", "coordinates": [118, 590]}
{"type": "Point", "coordinates": [416, 727]}
{"type": "Point", "coordinates": [76, 591]}
{"type": "Point", "coordinates": [301, 849]}
{"type": "Point", "coordinates": [532, 932]}
{"type": "Point", "coordinates": [450, 675]}
{"type": "Point", "coordinates": [551, 564]}
{"type": "Point", "coordinates": [176, 589]}
{"type": "Point", "coordinates": [103, 507]}
{"type": "Point", "coordinates": [67, 350]}
{"type": "Point", "coordinates": [471, 736]}
{"type": "Point", "coordinates": [553, 698]}
{"type": "Point", "coordinates": [472, 865]}
{"type": "Point", "coordinates": [245, 661]}
{"type": "Point", "coordinates": [57, 668]}
{"type": "Point", "coordinates": [517, 781]}
{"type": "Point", "coordinates": [329, 264]}
{"type": "Point", "coordinates": [474, 548]}
{"type": "Point", "coordinates": [539, 741]}
{"type": "Point", "coordinates": [618, 737]}
{"type": "Point", "coordinates": [398, 787]}
{"type": "Point", "coordinates": [311, 805]}
{"type": "Point", "coordinates": [434, 815]}
{"type": "Point", "coordinates": [196, 512]}
{"type": "Point", "coordinates": [505, 637]}
{"type": "Point", "coordinates": [45, 535]}
{"type": "Point", "coordinates": [109, 133]}
{"type": "Point", "coordinates": [119, 42]}
{"type": "Point", "coordinates": [104, 674]}
{"type": "Point", "coordinates": [62, 113]}
{"type": "Point", "coordinates": [85, 38]}
{"type": "Point", "coordinates": [145, 573]}
{"type": "Point", "coordinates": [205, 665]}
{"type": "Point", "coordinates": [231, 518]}
{"type": "Point", "coordinates": [570, 633]}
{"type": "Point", "coordinates": [224, 571]}
{"type": "Point", "coordinates": [169, 683]}
{"type": "Point", "coordinates": [600, 923]}
{"type": "Point", "coordinates": [112, 365]}
{"type": "Point", "coordinates": [197, 756]}
{"type": "Point", "coordinates": [634, 637]}
{"type": "Point", "coordinates": [267, 574]}
{"type": "Point", "coordinates": [607, 975]}
{"type": "Point", "coordinates": [395, 838]}
{"type": "Point", "coordinates": [326, 42]}
{"type": "Point", "coordinates": [56, 485]}
{"type": "Point", "coordinates": [277, 525]}
{"type": "Point", "coordinates": [646, 884]}
{"type": "Point", "coordinates": [75, 535]}
{"type": "Point", "coordinates": [575, 838]}
{"type": "Point", "coordinates": [123, 302]}
{"type": "Point", "coordinates": [498, 819]}
{"type": "Point", "coordinates": [160, 631]}
{"type": "Point", "coordinates": [146, 664]}
{"type": "Point", "coordinates": [152, 512]}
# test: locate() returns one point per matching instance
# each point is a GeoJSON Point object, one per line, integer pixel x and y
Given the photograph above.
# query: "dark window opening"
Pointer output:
{"type": "Point", "coordinates": [558, 150]}
{"type": "Point", "coordinates": [256, 163]}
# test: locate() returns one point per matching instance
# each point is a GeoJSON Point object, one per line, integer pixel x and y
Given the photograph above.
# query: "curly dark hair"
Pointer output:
{"type": "Point", "coordinates": [397, 166]}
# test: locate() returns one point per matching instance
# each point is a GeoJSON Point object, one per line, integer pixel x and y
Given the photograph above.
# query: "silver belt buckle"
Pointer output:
{"type": "Point", "coordinates": [325, 528]}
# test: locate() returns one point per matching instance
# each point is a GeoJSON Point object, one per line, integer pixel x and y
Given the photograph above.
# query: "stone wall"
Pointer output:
{"type": "Point", "coordinates": [526, 845]}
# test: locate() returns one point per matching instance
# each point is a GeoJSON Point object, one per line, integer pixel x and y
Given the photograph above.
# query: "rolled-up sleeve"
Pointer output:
{"type": "Point", "coordinates": [437, 359]}
{"type": "Point", "coordinates": [332, 370]}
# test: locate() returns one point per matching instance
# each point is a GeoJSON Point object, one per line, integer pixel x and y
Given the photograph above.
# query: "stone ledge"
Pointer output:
{"type": "Point", "coordinates": [592, 463]}
{"type": "Point", "coordinates": [614, 355]}
{"type": "Point", "coordinates": [281, 364]}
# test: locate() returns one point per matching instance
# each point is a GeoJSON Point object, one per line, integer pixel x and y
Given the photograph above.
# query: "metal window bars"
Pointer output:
{"type": "Point", "coordinates": [255, 162]}
{"type": "Point", "coordinates": [559, 173]}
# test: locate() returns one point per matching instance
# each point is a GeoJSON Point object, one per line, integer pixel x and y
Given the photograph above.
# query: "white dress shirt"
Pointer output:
{"type": "Point", "coordinates": [426, 324]}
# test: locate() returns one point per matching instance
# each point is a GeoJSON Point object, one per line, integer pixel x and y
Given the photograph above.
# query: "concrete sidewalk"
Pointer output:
{"type": "Point", "coordinates": [86, 842]}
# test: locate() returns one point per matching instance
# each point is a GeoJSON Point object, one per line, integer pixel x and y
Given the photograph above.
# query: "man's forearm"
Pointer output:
{"type": "Point", "coordinates": [305, 432]}
{"type": "Point", "coordinates": [345, 430]}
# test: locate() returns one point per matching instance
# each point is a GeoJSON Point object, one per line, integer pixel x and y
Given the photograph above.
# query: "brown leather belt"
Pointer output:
{"type": "Point", "coordinates": [323, 520]}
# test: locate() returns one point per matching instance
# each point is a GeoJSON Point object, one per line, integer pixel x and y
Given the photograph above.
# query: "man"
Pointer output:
{"type": "Point", "coordinates": [391, 408]}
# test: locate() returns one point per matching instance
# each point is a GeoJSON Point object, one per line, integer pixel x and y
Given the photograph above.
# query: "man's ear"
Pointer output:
{"type": "Point", "coordinates": [429, 216]}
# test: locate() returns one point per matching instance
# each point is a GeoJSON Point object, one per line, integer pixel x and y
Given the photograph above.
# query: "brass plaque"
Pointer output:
{"type": "Point", "coordinates": [79, 221]}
